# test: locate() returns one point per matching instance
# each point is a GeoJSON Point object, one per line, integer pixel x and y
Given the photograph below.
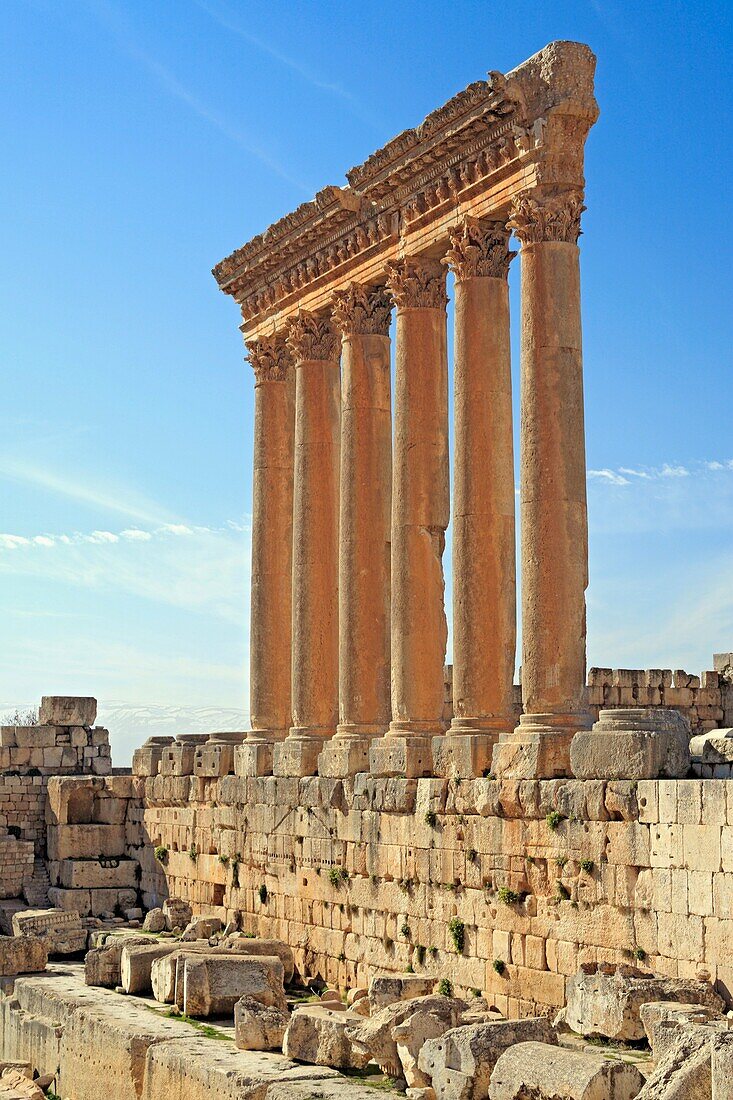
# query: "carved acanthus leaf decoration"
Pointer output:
{"type": "Point", "coordinates": [479, 248]}
{"type": "Point", "coordinates": [556, 218]}
{"type": "Point", "coordinates": [417, 284]}
{"type": "Point", "coordinates": [313, 337]}
{"type": "Point", "coordinates": [362, 309]}
{"type": "Point", "coordinates": [270, 358]}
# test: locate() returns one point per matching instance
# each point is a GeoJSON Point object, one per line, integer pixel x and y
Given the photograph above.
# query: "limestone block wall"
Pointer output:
{"type": "Point", "coordinates": [16, 865]}
{"type": "Point", "coordinates": [539, 876]}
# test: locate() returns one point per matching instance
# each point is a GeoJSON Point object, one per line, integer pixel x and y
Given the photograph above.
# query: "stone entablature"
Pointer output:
{"type": "Point", "coordinates": [492, 141]}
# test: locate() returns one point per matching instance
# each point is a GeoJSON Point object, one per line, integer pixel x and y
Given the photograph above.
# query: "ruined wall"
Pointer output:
{"type": "Point", "coordinates": [376, 873]}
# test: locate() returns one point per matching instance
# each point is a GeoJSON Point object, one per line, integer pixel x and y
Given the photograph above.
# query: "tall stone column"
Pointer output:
{"type": "Point", "coordinates": [272, 546]}
{"type": "Point", "coordinates": [553, 492]}
{"type": "Point", "coordinates": [315, 347]}
{"type": "Point", "coordinates": [484, 549]}
{"type": "Point", "coordinates": [362, 315]}
{"type": "Point", "coordinates": [420, 512]}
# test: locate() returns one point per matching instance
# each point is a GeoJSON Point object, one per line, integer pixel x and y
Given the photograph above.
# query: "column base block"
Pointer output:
{"type": "Point", "coordinates": [296, 759]}
{"type": "Point", "coordinates": [633, 744]}
{"type": "Point", "coordinates": [410, 757]}
{"type": "Point", "coordinates": [539, 748]}
{"type": "Point", "coordinates": [463, 755]}
{"type": "Point", "coordinates": [253, 758]}
{"type": "Point", "coordinates": [341, 758]}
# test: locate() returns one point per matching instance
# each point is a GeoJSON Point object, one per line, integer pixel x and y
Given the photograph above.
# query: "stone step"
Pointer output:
{"type": "Point", "coordinates": [36, 891]}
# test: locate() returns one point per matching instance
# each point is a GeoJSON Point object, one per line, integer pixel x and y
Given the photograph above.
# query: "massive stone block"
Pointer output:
{"type": "Point", "coordinates": [62, 930]}
{"type": "Point", "coordinates": [67, 710]}
{"type": "Point", "coordinates": [22, 955]}
{"type": "Point", "coordinates": [320, 1037]}
{"type": "Point", "coordinates": [212, 984]}
{"type": "Point", "coordinates": [549, 1072]}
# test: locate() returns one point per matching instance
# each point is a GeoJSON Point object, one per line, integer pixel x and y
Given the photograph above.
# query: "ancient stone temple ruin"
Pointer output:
{"type": "Point", "coordinates": [423, 875]}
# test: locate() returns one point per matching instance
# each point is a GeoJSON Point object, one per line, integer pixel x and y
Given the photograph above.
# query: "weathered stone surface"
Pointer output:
{"type": "Point", "coordinates": [102, 964]}
{"type": "Point", "coordinates": [373, 1037]}
{"type": "Point", "coordinates": [201, 928]}
{"type": "Point", "coordinates": [654, 1013]}
{"type": "Point", "coordinates": [213, 983]}
{"type": "Point", "coordinates": [722, 1067]}
{"type": "Point", "coordinates": [17, 1086]}
{"type": "Point", "coordinates": [385, 989]}
{"type": "Point", "coordinates": [177, 913]}
{"type": "Point", "coordinates": [247, 945]}
{"type": "Point", "coordinates": [604, 1000]}
{"type": "Point", "coordinates": [640, 743]}
{"type": "Point", "coordinates": [684, 1069]}
{"type": "Point", "coordinates": [67, 710]}
{"type": "Point", "coordinates": [166, 974]}
{"type": "Point", "coordinates": [22, 955]}
{"type": "Point", "coordinates": [321, 1037]}
{"type": "Point", "coordinates": [62, 930]}
{"type": "Point", "coordinates": [136, 963]}
{"type": "Point", "coordinates": [459, 1064]}
{"type": "Point", "coordinates": [416, 1029]}
{"type": "Point", "coordinates": [258, 1026]}
{"type": "Point", "coordinates": [545, 1072]}
{"type": "Point", "coordinates": [154, 921]}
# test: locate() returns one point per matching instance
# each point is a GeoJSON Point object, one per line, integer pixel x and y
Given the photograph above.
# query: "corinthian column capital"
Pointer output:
{"type": "Point", "coordinates": [555, 218]}
{"type": "Point", "coordinates": [479, 248]}
{"type": "Point", "coordinates": [270, 358]}
{"type": "Point", "coordinates": [313, 337]}
{"type": "Point", "coordinates": [416, 283]}
{"type": "Point", "coordinates": [362, 310]}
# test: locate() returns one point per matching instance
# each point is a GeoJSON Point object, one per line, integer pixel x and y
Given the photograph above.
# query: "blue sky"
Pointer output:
{"type": "Point", "coordinates": [144, 141]}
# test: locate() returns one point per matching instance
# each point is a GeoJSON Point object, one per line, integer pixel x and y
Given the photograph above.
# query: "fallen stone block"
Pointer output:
{"type": "Point", "coordinates": [605, 1000]}
{"type": "Point", "coordinates": [16, 1086]}
{"type": "Point", "coordinates": [22, 955]}
{"type": "Point", "coordinates": [385, 989]}
{"type": "Point", "coordinates": [102, 965]}
{"type": "Point", "coordinates": [67, 710]}
{"type": "Point", "coordinates": [246, 945]}
{"type": "Point", "coordinates": [212, 984]}
{"type": "Point", "coordinates": [259, 1027]}
{"type": "Point", "coordinates": [63, 931]}
{"type": "Point", "coordinates": [320, 1036]}
{"type": "Point", "coordinates": [166, 975]}
{"type": "Point", "coordinates": [684, 1069]}
{"type": "Point", "coordinates": [459, 1064]}
{"type": "Point", "coordinates": [177, 913]}
{"type": "Point", "coordinates": [136, 964]}
{"type": "Point", "coordinates": [373, 1037]}
{"type": "Point", "coordinates": [545, 1072]}
{"type": "Point", "coordinates": [418, 1028]}
{"type": "Point", "coordinates": [654, 1013]}
{"type": "Point", "coordinates": [722, 1066]}
{"type": "Point", "coordinates": [154, 921]}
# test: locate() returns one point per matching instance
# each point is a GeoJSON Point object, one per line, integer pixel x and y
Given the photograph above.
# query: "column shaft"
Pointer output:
{"type": "Point", "coordinates": [553, 493]}
{"type": "Point", "coordinates": [420, 513]}
{"type": "Point", "coordinates": [362, 314]}
{"type": "Point", "coordinates": [315, 348]}
{"type": "Point", "coordinates": [484, 549]}
{"type": "Point", "coordinates": [272, 542]}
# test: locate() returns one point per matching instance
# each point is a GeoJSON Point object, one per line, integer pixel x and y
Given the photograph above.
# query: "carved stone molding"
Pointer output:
{"type": "Point", "coordinates": [479, 248]}
{"type": "Point", "coordinates": [270, 358]}
{"type": "Point", "coordinates": [417, 284]}
{"type": "Point", "coordinates": [556, 218]}
{"type": "Point", "coordinates": [360, 310]}
{"type": "Point", "coordinates": [312, 337]}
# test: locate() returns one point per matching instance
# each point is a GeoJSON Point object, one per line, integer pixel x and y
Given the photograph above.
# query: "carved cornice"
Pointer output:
{"type": "Point", "coordinates": [552, 218]}
{"type": "Point", "coordinates": [527, 129]}
{"type": "Point", "coordinates": [417, 284]}
{"type": "Point", "coordinates": [479, 248]}
{"type": "Point", "coordinates": [270, 358]}
{"type": "Point", "coordinates": [312, 337]}
{"type": "Point", "coordinates": [360, 310]}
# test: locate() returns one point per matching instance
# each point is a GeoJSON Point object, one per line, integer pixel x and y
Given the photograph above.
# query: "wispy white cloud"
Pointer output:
{"type": "Point", "coordinates": [667, 471]}
{"type": "Point", "coordinates": [116, 23]}
{"type": "Point", "coordinates": [108, 498]}
{"type": "Point", "coordinates": [608, 475]}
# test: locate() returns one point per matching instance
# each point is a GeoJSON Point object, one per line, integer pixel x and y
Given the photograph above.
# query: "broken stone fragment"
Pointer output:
{"type": "Point", "coordinates": [605, 1000]}
{"type": "Point", "coordinates": [545, 1072]}
{"type": "Point", "coordinates": [386, 989]}
{"type": "Point", "coordinates": [654, 1013]}
{"type": "Point", "coordinates": [154, 921]}
{"type": "Point", "coordinates": [258, 1026]}
{"type": "Point", "coordinates": [201, 928]}
{"type": "Point", "coordinates": [247, 945]}
{"type": "Point", "coordinates": [177, 912]}
{"type": "Point", "coordinates": [374, 1038]}
{"type": "Point", "coordinates": [102, 964]}
{"type": "Point", "coordinates": [22, 955]}
{"type": "Point", "coordinates": [459, 1064]}
{"type": "Point", "coordinates": [321, 1037]}
{"type": "Point", "coordinates": [684, 1068]}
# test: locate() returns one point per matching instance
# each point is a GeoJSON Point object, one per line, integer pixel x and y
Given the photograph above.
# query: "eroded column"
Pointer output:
{"type": "Point", "coordinates": [484, 551]}
{"type": "Point", "coordinates": [420, 512]}
{"type": "Point", "coordinates": [272, 542]}
{"type": "Point", "coordinates": [315, 347]}
{"type": "Point", "coordinates": [362, 315]}
{"type": "Point", "coordinates": [552, 492]}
